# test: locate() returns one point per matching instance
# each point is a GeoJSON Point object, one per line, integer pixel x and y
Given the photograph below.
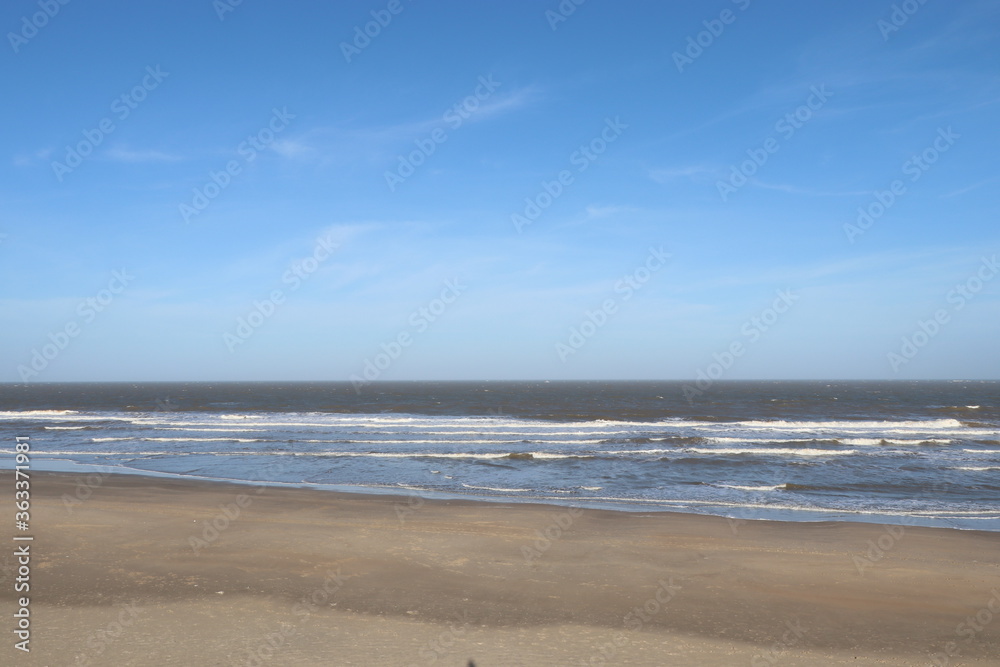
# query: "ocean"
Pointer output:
{"type": "Point", "coordinates": [914, 453]}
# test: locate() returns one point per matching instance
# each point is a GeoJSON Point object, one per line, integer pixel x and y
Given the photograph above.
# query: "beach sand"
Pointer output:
{"type": "Point", "coordinates": [305, 577]}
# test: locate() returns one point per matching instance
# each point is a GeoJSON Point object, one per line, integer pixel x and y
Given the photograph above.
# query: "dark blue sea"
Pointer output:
{"type": "Point", "coordinates": [916, 453]}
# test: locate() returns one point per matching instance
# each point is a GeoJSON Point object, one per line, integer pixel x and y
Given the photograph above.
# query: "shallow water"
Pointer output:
{"type": "Point", "coordinates": [922, 453]}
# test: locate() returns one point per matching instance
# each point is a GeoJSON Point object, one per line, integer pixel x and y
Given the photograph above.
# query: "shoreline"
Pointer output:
{"type": "Point", "coordinates": [781, 515]}
{"type": "Point", "coordinates": [414, 581]}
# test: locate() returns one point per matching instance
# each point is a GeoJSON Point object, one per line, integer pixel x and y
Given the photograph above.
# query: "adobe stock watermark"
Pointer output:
{"type": "Point", "coordinates": [223, 7]}
{"type": "Point", "coordinates": [915, 167]}
{"type": "Point", "coordinates": [85, 487]}
{"type": "Point", "coordinates": [626, 286]}
{"type": "Point", "coordinates": [455, 116]}
{"type": "Point", "coordinates": [31, 25]}
{"type": "Point", "coordinates": [756, 496]}
{"type": "Point", "coordinates": [269, 645]}
{"type": "Point", "coordinates": [363, 35]}
{"type": "Point", "coordinates": [581, 158]}
{"type": "Point", "coordinates": [958, 297]}
{"type": "Point", "coordinates": [165, 405]}
{"type": "Point", "coordinates": [752, 330]}
{"type": "Point", "coordinates": [311, 603]}
{"type": "Point", "coordinates": [248, 149]}
{"type": "Point", "coordinates": [100, 640]}
{"type": "Point", "coordinates": [969, 628]}
{"type": "Point", "coordinates": [562, 12]}
{"type": "Point", "coordinates": [789, 638]}
{"type": "Point", "coordinates": [561, 522]}
{"type": "Point", "coordinates": [714, 28]}
{"type": "Point", "coordinates": [121, 107]}
{"type": "Point", "coordinates": [444, 643]}
{"type": "Point", "coordinates": [635, 620]}
{"type": "Point", "coordinates": [878, 548]}
{"type": "Point", "coordinates": [420, 320]}
{"type": "Point", "coordinates": [230, 513]}
{"type": "Point", "coordinates": [296, 274]}
{"type": "Point", "coordinates": [899, 17]}
{"type": "Point", "coordinates": [87, 311]}
{"type": "Point", "coordinates": [786, 126]}
{"type": "Point", "coordinates": [414, 502]}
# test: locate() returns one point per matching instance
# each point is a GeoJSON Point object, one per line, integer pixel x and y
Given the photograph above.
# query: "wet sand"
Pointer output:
{"type": "Point", "coordinates": [130, 570]}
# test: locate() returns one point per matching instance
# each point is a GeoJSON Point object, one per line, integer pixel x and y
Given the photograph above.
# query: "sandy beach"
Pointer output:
{"type": "Point", "coordinates": [130, 570]}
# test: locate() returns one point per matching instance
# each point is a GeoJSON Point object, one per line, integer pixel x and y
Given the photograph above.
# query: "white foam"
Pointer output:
{"type": "Point", "coordinates": [409, 455]}
{"type": "Point", "coordinates": [739, 487]}
{"type": "Point", "coordinates": [768, 451]}
{"type": "Point", "coordinates": [521, 432]}
{"type": "Point", "coordinates": [727, 440]}
{"type": "Point", "coordinates": [922, 425]}
{"type": "Point", "coordinates": [122, 454]}
{"type": "Point", "coordinates": [550, 455]}
{"type": "Point", "coordinates": [21, 414]}
{"type": "Point", "coordinates": [203, 429]}
{"type": "Point", "coordinates": [893, 441]}
{"type": "Point", "coordinates": [448, 442]}
{"type": "Point", "coordinates": [496, 488]}
{"type": "Point", "coordinates": [56, 415]}
{"type": "Point", "coordinates": [144, 439]}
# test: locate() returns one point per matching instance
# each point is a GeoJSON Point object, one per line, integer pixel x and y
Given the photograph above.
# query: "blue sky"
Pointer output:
{"type": "Point", "coordinates": [488, 190]}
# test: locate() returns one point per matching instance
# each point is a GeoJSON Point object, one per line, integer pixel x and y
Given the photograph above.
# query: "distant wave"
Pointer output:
{"type": "Point", "coordinates": [146, 439]}
{"type": "Point", "coordinates": [829, 441]}
{"type": "Point", "coordinates": [21, 414]}
{"type": "Point", "coordinates": [763, 451]}
{"type": "Point", "coordinates": [205, 429]}
{"type": "Point", "coordinates": [781, 424]}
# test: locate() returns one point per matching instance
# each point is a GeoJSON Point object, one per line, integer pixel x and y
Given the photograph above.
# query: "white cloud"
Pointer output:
{"type": "Point", "coordinates": [669, 175]}
{"type": "Point", "coordinates": [293, 148]}
{"type": "Point", "coordinates": [811, 192]}
{"type": "Point", "coordinates": [970, 188]}
{"type": "Point", "coordinates": [328, 144]}
{"type": "Point", "coordinates": [41, 155]}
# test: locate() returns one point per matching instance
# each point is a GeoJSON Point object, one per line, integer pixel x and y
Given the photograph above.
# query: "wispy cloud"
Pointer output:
{"type": "Point", "coordinates": [867, 76]}
{"type": "Point", "coordinates": [325, 144]}
{"type": "Point", "coordinates": [970, 188]}
{"type": "Point", "coordinates": [972, 25]}
{"type": "Point", "coordinates": [503, 103]}
{"type": "Point", "coordinates": [594, 211]}
{"type": "Point", "coordinates": [26, 160]}
{"type": "Point", "coordinates": [810, 192]}
{"type": "Point", "coordinates": [494, 106]}
{"type": "Point", "coordinates": [293, 148]}
{"type": "Point", "coordinates": [692, 172]}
